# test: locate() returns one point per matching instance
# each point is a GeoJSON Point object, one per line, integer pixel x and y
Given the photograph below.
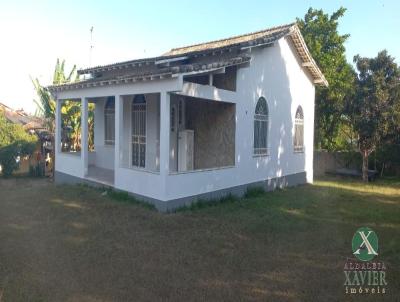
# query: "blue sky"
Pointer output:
{"type": "Point", "coordinates": [35, 33]}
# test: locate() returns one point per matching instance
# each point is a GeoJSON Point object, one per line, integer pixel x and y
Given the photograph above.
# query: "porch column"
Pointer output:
{"type": "Point", "coordinates": [84, 136]}
{"type": "Point", "coordinates": [57, 134]}
{"type": "Point", "coordinates": [164, 133]}
{"type": "Point", "coordinates": [119, 106]}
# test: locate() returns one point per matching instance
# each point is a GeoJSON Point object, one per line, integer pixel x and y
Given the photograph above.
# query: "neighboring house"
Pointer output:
{"type": "Point", "coordinates": [30, 123]}
{"type": "Point", "coordinates": [34, 125]}
{"type": "Point", "coordinates": [19, 116]}
{"type": "Point", "coordinates": [198, 122]}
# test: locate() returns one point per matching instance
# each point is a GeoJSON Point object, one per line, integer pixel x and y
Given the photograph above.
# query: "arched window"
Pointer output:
{"type": "Point", "coordinates": [298, 141]}
{"type": "Point", "coordinates": [261, 127]}
{"type": "Point", "coordinates": [109, 121]}
{"type": "Point", "coordinates": [139, 131]}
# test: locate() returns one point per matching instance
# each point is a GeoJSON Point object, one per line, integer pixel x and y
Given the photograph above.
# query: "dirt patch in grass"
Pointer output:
{"type": "Point", "coordinates": [73, 243]}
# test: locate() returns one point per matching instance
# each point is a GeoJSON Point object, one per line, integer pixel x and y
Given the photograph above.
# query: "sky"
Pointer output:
{"type": "Point", "coordinates": [33, 34]}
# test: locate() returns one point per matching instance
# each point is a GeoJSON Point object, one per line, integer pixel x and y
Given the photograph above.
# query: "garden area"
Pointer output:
{"type": "Point", "coordinates": [75, 243]}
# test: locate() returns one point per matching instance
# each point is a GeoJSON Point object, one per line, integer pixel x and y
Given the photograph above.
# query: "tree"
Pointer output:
{"type": "Point", "coordinates": [320, 31]}
{"type": "Point", "coordinates": [15, 143]}
{"type": "Point", "coordinates": [374, 109]}
{"type": "Point", "coordinates": [46, 105]}
{"type": "Point", "coordinates": [70, 115]}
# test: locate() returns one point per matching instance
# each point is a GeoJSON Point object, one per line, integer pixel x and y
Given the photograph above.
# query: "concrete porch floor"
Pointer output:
{"type": "Point", "coordinates": [101, 175]}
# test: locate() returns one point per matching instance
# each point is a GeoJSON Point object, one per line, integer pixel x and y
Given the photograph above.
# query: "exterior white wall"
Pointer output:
{"type": "Point", "coordinates": [274, 73]}
{"type": "Point", "coordinates": [69, 163]}
{"type": "Point", "coordinates": [152, 132]}
{"type": "Point", "coordinates": [143, 181]}
{"type": "Point", "coordinates": [103, 155]}
{"type": "Point", "coordinates": [126, 131]}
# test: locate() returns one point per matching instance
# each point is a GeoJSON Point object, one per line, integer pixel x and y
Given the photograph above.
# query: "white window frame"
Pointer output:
{"type": "Point", "coordinates": [298, 142]}
{"type": "Point", "coordinates": [108, 112]}
{"type": "Point", "coordinates": [260, 119]}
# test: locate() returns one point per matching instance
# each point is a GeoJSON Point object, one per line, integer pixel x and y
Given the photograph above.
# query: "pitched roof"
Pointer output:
{"type": "Point", "coordinates": [199, 57]}
{"type": "Point", "coordinates": [262, 36]}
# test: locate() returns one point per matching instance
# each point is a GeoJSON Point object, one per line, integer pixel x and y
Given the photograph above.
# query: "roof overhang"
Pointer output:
{"type": "Point", "coordinates": [169, 72]}
{"type": "Point", "coordinates": [307, 60]}
{"type": "Point", "coordinates": [112, 81]}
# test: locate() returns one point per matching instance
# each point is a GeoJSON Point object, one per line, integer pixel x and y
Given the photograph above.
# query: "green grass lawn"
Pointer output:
{"type": "Point", "coordinates": [66, 243]}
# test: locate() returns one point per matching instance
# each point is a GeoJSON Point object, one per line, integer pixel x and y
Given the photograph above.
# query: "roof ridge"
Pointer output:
{"type": "Point", "coordinates": [288, 25]}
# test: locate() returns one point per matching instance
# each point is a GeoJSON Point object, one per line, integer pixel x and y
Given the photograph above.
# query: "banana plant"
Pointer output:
{"type": "Point", "coordinates": [70, 113]}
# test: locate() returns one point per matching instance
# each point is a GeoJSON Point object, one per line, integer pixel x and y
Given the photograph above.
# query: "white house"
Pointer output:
{"type": "Point", "coordinates": [198, 122]}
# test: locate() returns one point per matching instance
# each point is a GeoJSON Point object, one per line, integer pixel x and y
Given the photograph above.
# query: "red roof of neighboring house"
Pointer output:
{"type": "Point", "coordinates": [22, 118]}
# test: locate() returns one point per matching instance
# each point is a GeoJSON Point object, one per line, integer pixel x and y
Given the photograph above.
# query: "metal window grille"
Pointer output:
{"type": "Point", "coordinates": [261, 119]}
{"type": "Point", "coordinates": [139, 133]}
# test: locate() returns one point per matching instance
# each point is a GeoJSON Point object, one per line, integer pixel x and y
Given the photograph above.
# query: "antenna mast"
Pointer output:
{"type": "Point", "coordinates": [91, 46]}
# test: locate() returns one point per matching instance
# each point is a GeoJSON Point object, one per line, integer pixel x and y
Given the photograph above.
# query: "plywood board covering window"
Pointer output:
{"type": "Point", "coordinates": [214, 126]}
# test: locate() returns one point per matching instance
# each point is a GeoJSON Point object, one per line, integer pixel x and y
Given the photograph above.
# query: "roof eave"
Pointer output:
{"type": "Point", "coordinates": [306, 57]}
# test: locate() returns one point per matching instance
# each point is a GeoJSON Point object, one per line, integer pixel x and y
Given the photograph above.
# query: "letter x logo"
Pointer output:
{"type": "Point", "coordinates": [365, 243]}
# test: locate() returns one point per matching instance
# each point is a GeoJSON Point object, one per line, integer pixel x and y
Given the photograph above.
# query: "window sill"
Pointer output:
{"type": "Point", "coordinates": [261, 155]}
{"type": "Point", "coordinates": [200, 170]}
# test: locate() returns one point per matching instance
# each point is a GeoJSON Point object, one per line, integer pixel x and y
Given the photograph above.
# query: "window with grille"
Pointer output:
{"type": "Point", "coordinates": [261, 127]}
{"type": "Point", "coordinates": [139, 131]}
{"type": "Point", "coordinates": [109, 121]}
{"type": "Point", "coordinates": [298, 140]}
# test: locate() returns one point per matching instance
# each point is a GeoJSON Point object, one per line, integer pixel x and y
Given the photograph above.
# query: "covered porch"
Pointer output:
{"type": "Point", "coordinates": [153, 134]}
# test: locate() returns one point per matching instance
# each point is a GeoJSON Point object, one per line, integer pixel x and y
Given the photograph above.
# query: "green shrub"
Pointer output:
{"type": "Point", "coordinates": [15, 143]}
{"type": "Point", "coordinates": [11, 155]}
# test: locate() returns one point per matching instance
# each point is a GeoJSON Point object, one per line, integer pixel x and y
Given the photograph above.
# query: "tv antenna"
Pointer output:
{"type": "Point", "coordinates": [91, 46]}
